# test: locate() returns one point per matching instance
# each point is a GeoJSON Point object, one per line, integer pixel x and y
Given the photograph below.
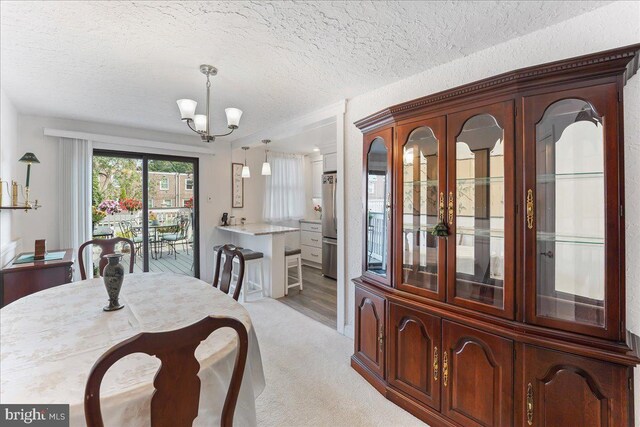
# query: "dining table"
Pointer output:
{"type": "Point", "coordinates": [50, 340]}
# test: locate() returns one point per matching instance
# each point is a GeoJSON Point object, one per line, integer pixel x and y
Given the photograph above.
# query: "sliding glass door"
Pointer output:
{"type": "Point", "coordinates": [151, 200]}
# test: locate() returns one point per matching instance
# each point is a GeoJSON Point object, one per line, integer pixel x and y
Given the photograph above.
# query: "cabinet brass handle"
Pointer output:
{"type": "Point", "coordinates": [435, 362]}
{"type": "Point", "coordinates": [380, 338]}
{"type": "Point", "coordinates": [450, 207]}
{"type": "Point", "coordinates": [441, 206]}
{"type": "Point", "coordinates": [530, 404]}
{"type": "Point", "coordinates": [530, 209]}
{"type": "Point", "coordinates": [445, 368]}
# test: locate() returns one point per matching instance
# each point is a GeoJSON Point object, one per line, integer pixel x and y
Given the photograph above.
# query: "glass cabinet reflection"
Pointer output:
{"type": "Point", "coordinates": [378, 207]}
{"type": "Point", "coordinates": [570, 213]}
{"type": "Point", "coordinates": [420, 208]}
{"type": "Point", "coordinates": [479, 211]}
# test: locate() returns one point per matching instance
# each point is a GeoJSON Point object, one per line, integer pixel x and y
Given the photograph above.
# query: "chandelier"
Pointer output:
{"type": "Point", "coordinates": [200, 123]}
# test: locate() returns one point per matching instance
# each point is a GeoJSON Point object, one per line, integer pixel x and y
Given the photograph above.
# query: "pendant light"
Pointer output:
{"type": "Point", "coordinates": [246, 173]}
{"type": "Point", "coordinates": [266, 167]}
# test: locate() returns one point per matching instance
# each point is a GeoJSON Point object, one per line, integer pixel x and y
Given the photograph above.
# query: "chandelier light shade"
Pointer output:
{"type": "Point", "coordinates": [266, 167]}
{"type": "Point", "coordinates": [201, 123]}
{"type": "Point", "coordinates": [246, 173]}
{"type": "Point", "coordinates": [233, 117]}
{"type": "Point", "coordinates": [187, 108]}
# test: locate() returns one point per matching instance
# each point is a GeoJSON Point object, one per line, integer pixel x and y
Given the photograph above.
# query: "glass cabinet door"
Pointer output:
{"type": "Point", "coordinates": [480, 209]}
{"type": "Point", "coordinates": [568, 147]}
{"type": "Point", "coordinates": [378, 155]}
{"type": "Point", "coordinates": [421, 193]}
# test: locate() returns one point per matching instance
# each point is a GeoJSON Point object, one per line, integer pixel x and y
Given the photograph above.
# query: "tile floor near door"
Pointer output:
{"type": "Point", "coordinates": [318, 300]}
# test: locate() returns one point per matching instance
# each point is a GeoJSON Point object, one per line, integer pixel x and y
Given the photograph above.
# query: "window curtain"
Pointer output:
{"type": "Point", "coordinates": [74, 196]}
{"type": "Point", "coordinates": [284, 189]}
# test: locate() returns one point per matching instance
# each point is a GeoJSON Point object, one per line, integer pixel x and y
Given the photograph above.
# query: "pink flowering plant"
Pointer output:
{"type": "Point", "coordinates": [317, 208]}
{"type": "Point", "coordinates": [110, 207]}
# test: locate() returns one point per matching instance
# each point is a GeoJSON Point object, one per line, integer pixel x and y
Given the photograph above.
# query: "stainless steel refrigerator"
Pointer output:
{"type": "Point", "coordinates": [329, 226]}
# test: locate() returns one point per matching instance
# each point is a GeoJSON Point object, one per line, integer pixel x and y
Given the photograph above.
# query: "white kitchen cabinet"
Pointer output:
{"type": "Point", "coordinates": [316, 178]}
{"type": "Point", "coordinates": [311, 243]}
{"type": "Point", "coordinates": [330, 161]}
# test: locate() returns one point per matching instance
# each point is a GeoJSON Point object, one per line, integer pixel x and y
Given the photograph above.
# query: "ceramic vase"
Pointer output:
{"type": "Point", "coordinates": [113, 276]}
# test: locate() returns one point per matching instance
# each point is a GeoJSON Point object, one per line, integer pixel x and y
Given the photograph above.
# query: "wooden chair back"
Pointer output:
{"type": "Point", "coordinates": [107, 246]}
{"type": "Point", "coordinates": [177, 385]}
{"type": "Point", "coordinates": [223, 281]}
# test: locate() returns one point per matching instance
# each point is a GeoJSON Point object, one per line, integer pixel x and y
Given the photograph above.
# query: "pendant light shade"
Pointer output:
{"type": "Point", "coordinates": [246, 173]}
{"type": "Point", "coordinates": [266, 167]}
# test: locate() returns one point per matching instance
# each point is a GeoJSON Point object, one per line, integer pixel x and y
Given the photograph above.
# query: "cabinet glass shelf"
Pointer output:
{"type": "Point", "coordinates": [552, 177]}
{"type": "Point", "coordinates": [434, 182]}
{"type": "Point", "coordinates": [559, 238]}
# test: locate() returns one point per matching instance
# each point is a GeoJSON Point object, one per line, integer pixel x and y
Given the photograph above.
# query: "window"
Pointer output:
{"type": "Point", "coordinates": [284, 197]}
{"type": "Point", "coordinates": [164, 183]}
{"type": "Point", "coordinates": [188, 184]}
{"type": "Point", "coordinates": [167, 203]}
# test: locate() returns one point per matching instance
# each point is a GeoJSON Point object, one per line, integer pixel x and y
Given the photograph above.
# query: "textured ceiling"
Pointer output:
{"type": "Point", "coordinates": [127, 62]}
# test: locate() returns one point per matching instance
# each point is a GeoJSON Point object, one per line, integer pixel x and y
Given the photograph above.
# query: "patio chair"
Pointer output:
{"type": "Point", "coordinates": [180, 237]}
{"type": "Point", "coordinates": [130, 232]}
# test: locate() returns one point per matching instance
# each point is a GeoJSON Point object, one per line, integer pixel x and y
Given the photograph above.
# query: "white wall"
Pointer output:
{"type": "Point", "coordinates": [215, 178]}
{"type": "Point", "coordinates": [9, 155]}
{"type": "Point", "coordinates": [608, 27]}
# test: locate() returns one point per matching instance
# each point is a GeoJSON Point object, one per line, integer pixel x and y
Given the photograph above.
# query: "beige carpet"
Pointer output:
{"type": "Point", "coordinates": [309, 381]}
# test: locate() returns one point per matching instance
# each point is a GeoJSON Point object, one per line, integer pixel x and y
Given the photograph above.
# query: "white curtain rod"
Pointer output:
{"type": "Point", "coordinates": [128, 142]}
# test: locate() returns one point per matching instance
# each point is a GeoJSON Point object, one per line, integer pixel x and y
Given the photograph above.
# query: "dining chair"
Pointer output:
{"type": "Point", "coordinates": [222, 279]}
{"type": "Point", "coordinates": [107, 246]}
{"type": "Point", "coordinates": [177, 385]}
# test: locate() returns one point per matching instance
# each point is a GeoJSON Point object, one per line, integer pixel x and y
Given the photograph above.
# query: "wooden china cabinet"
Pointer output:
{"type": "Point", "coordinates": [493, 288]}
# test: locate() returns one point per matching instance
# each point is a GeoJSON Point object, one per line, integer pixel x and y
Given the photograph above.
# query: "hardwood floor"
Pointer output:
{"type": "Point", "coordinates": [318, 300]}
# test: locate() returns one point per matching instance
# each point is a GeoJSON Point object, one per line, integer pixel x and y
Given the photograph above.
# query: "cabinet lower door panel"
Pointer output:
{"type": "Point", "coordinates": [414, 354]}
{"type": "Point", "coordinates": [370, 315]}
{"type": "Point", "coordinates": [477, 377]}
{"type": "Point", "coordinates": [565, 390]}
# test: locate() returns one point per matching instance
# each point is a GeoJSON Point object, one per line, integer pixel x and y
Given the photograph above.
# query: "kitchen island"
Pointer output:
{"type": "Point", "coordinates": [268, 239]}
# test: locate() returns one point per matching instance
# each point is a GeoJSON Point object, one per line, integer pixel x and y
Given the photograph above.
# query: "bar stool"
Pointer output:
{"type": "Point", "coordinates": [254, 274]}
{"type": "Point", "coordinates": [292, 258]}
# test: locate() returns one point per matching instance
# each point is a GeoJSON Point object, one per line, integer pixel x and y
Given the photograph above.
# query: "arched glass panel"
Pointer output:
{"type": "Point", "coordinates": [480, 211]}
{"type": "Point", "coordinates": [420, 209]}
{"type": "Point", "coordinates": [378, 207]}
{"type": "Point", "coordinates": [570, 213]}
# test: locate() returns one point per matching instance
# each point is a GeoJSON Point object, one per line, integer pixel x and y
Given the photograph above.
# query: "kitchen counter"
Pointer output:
{"type": "Point", "coordinates": [312, 221]}
{"type": "Point", "coordinates": [259, 229]}
{"type": "Point", "coordinates": [270, 240]}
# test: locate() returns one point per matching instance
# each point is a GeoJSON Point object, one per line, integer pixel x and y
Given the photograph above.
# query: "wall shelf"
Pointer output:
{"type": "Point", "coordinates": [23, 207]}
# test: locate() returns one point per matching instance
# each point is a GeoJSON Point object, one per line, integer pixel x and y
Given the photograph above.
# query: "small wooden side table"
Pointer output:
{"type": "Point", "coordinates": [19, 280]}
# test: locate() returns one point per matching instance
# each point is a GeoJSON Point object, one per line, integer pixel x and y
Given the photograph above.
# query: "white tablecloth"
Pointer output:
{"type": "Point", "coordinates": [50, 340]}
